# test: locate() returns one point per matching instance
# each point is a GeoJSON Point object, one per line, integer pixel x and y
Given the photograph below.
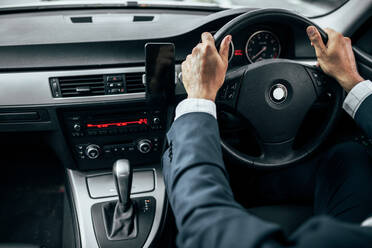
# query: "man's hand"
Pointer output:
{"type": "Point", "coordinates": [336, 58]}
{"type": "Point", "coordinates": [203, 71]}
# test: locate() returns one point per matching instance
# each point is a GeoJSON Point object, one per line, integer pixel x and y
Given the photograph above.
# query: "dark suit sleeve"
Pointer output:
{"type": "Point", "coordinates": [202, 201]}
{"type": "Point", "coordinates": [363, 116]}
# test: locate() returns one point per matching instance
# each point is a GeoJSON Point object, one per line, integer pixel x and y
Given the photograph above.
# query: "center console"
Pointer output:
{"type": "Point", "coordinates": [117, 183]}
{"type": "Point", "coordinates": [99, 137]}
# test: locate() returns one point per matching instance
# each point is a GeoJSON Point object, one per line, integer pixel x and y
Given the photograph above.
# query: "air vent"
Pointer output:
{"type": "Point", "coordinates": [81, 86]}
{"type": "Point", "coordinates": [134, 82]}
{"type": "Point", "coordinates": [93, 85]}
{"type": "Point", "coordinates": [143, 18]}
{"type": "Point", "coordinates": [82, 19]}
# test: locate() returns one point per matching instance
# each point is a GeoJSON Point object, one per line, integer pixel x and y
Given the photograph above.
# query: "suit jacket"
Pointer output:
{"type": "Point", "coordinates": [363, 116]}
{"type": "Point", "coordinates": [204, 207]}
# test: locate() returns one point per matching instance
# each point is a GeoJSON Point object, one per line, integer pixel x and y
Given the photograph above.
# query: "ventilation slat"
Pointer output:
{"type": "Point", "coordinates": [134, 82]}
{"type": "Point", "coordinates": [80, 79]}
{"type": "Point", "coordinates": [132, 78]}
{"type": "Point", "coordinates": [74, 88]}
{"type": "Point", "coordinates": [133, 74]}
{"type": "Point", "coordinates": [82, 86]}
{"type": "Point", "coordinates": [138, 89]}
{"type": "Point", "coordinates": [81, 83]}
{"type": "Point", "coordinates": [70, 94]}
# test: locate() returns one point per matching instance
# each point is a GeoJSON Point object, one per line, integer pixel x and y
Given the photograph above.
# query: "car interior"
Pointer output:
{"type": "Point", "coordinates": [82, 132]}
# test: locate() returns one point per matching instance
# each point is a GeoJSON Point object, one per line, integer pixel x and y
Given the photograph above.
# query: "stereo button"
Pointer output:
{"type": "Point", "coordinates": [156, 120]}
{"type": "Point", "coordinates": [92, 133]}
{"type": "Point", "coordinates": [77, 127]}
{"type": "Point", "coordinates": [115, 78]}
{"type": "Point", "coordinates": [92, 151]}
{"type": "Point", "coordinates": [144, 146]}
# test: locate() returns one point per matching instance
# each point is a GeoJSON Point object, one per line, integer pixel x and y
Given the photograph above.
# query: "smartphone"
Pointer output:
{"type": "Point", "coordinates": [160, 72]}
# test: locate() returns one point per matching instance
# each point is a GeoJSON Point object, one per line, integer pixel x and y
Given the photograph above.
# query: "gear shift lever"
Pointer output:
{"type": "Point", "coordinates": [123, 222]}
{"type": "Point", "coordinates": [123, 181]}
{"type": "Point", "coordinates": [120, 217]}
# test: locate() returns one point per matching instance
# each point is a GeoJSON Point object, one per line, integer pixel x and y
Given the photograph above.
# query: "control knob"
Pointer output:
{"type": "Point", "coordinates": [77, 127]}
{"type": "Point", "coordinates": [93, 151]}
{"type": "Point", "coordinates": [144, 146]}
{"type": "Point", "coordinates": [156, 120]}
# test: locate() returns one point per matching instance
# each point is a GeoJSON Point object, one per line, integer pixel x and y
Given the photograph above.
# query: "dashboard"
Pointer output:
{"type": "Point", "coordinates": [77, 74]}
{"type": "Point", "coordinates": [113, 38]}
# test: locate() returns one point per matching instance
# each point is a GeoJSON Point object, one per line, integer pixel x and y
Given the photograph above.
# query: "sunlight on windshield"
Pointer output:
{"type": "Point", "coordinates": [305, 7]}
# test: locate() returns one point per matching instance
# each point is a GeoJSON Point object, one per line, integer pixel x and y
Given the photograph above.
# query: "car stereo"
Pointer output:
{"type": "Point", "coordinates": [98, 138]}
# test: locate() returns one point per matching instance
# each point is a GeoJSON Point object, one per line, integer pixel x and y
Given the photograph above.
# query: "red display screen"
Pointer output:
{"type": "Point", "coordinates": [141, 121]}
{"type": "Point", "coordinates": [238, 52]}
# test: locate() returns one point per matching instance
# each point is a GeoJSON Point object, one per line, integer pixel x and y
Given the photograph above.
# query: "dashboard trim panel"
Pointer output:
{"type": "Point", "coordinates": [16, 93]}
{"type": "Point", "coordinates": [33, 88]}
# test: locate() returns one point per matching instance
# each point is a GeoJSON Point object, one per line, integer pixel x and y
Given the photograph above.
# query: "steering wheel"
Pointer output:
{"type": "Point", "coordinates": [275, 95]}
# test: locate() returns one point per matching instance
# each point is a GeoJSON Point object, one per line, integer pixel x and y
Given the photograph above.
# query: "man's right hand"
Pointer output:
{"type": "Point", "coordinates": [203, 71]}
{"type": "Point", "coordinates": [336, 58]}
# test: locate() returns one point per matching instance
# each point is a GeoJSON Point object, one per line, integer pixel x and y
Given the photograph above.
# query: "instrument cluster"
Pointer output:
{"type": "Point", "coordinates": [259, 43]}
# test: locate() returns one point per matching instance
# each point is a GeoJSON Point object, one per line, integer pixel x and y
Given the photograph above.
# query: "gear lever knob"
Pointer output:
{"type": "Point", "coordinates": [123, 175]}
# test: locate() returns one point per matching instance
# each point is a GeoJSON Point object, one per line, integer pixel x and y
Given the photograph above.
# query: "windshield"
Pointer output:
{"type": "Point", "coordinates": [306, 7]}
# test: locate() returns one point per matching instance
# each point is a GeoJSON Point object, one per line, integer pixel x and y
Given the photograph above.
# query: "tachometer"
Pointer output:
{"type": "Point", "coordinates": [262, 45]}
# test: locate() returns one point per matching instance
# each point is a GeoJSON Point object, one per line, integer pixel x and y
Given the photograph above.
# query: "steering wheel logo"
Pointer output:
{"type": "Point", "coordinates": [278, 93]}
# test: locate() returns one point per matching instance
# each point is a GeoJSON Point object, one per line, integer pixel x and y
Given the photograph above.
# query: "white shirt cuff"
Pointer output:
{"type": "Point", "coordinates": [356, 96]}
{"type": "Point", "coordinates": [191, 105]}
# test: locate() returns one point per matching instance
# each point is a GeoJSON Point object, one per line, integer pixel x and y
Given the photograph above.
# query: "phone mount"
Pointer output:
{"type": "Point", "coordinates": [159, 78]}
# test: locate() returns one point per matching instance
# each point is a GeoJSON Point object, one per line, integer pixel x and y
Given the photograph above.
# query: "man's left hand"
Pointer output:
{"type": "Point", "coordinates": [203, 71]}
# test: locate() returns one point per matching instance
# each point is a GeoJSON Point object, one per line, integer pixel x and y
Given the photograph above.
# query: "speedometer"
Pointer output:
{"type": "Point", "coordinates": [262, 45]}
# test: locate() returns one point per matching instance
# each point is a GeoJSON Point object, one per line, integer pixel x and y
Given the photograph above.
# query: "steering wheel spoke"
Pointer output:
{"type": "Point", "coordinates": [275, 153]}
{"type": "Point", "coordinates": [321, 81]}
{"type": "Point", "coordinates": [228, 93]}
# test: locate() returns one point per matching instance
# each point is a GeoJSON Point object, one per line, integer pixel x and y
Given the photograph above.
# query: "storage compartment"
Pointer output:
{"type": "Point", "coordinates": [101, 186]}
{"type": "Point", "coordinates": [14, 116]}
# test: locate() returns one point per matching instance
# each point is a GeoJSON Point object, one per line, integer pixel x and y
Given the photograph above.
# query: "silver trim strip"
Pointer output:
{"type": "Point", "coordinates": [84, 203]}
{"type": "Point", "coordinates": [32, 88]}
{"type": "Point", "coordinates": [309, 62]}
